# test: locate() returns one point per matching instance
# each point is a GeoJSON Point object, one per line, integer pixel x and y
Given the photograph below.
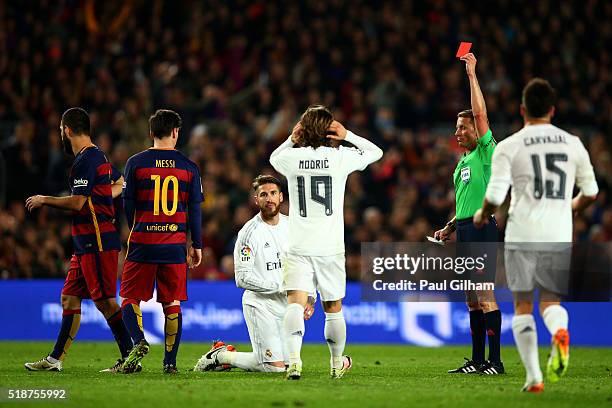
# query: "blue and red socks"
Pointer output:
{"type": "Point", "coordinates": [132, 318]}
{"type": "Point", "coordinates": [71, 321]}
{"type": "Point", "coordinates": [122, 337]}
{"type": "Point", "coordinates": [172, 328]}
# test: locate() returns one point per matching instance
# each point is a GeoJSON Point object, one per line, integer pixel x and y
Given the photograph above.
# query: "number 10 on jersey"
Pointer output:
{"type": "Point", "coordinates": [316, 182]}
{"type": "Point", "coordinates": [164, 194]}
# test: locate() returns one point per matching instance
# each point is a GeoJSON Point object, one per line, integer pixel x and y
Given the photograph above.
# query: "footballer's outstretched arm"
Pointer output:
{"type": "Point", "coordinates": [479, 109]}
{"type": "Point", "coordinates": [72, 202]}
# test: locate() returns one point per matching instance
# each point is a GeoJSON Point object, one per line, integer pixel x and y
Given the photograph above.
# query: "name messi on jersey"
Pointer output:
{"type": "Point", "coordinates": [314, 164]}
{"type": "Point", "coordinates": [536, 140]}
{"type": "Point", "coordinates": [165, 163]}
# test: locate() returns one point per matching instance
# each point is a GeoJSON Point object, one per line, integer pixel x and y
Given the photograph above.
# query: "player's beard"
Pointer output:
{"type": "Point", "coordinates": [269, 213]}
{"type": "Point", "coordinates": [67, 146]}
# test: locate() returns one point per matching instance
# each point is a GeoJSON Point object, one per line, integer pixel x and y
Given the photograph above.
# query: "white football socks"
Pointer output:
{"type": "Point", "coordinates": [293, 325]}
{"type": "Point", "coordinates": [555, 317]}
{"type": "Point", "coordinates": [335, 336]}
{"type": "Point", "coordinates": [246, 361]}
{"type": "Point", "coordinates": [526, 338]}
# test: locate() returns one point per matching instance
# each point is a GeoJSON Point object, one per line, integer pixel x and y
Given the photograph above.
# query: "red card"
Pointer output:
{"type": "Point", "coordinates": [464, 48]}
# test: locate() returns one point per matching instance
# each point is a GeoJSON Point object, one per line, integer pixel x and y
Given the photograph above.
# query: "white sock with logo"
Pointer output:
{"type": "Point", "coordinates": [335, 336]}
{"type": "Point", "coordinates": [555, 317]}
{"type": "Point", "coordinates": [526, 338]}
{"type": "Point", "coordinates": [293, 325]}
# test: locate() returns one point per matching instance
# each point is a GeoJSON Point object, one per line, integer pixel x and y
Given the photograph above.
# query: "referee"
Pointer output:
{"type": "Point", "coordinates": [471, 178]}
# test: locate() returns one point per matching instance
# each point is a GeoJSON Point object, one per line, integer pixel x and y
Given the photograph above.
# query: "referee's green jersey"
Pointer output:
{"type": "Point", "coordinates": [472, 176]}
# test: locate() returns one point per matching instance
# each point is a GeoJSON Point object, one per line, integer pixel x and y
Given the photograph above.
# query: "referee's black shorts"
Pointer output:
{"type": "Point", "coordinates": [467, 232]}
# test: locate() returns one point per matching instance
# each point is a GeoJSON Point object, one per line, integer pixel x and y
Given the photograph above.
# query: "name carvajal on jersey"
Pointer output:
{"type": "Point", "coordinates": [548, 139]}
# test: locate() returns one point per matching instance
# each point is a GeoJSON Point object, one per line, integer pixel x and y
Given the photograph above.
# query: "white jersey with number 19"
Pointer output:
{"type": "Point", "coordinates": [316, 179]}
{"type": "Point", "coordinates": [541, 163]}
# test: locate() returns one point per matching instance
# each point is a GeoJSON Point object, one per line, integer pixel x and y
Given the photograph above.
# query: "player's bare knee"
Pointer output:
{"type": "Point", "coordinates": [488, 306]}
{"type": "Point", "coordinates": [333, 306]}
{"type": "Point", "coordinates": [70, 302]}
{"type": "Point", "coordinates": [107, 307]}
{"type": "Point", "coordinates": [297, 296]}
{"type": "Point", "coordinates": [173, 303]}
{"type": "Point", "coordinates": [473, 306]}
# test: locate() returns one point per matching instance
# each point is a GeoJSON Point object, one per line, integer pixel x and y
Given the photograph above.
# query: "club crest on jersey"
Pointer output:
{"type": "Point", "coordinates": [245, 253]}
{"type": "Point", "coordinates": [466, 174]}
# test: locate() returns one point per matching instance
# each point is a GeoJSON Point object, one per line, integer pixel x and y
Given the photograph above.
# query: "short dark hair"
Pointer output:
{"type": "Point", "coordinates": [467, 114]}
{"type": "Point", "coordinates": [266, 179]}
{"type": "Point", "coordinates": [77, 120]}
{"type": "Point", "coordinates": [538, 98]}
{"type": "Point", "coordinates": [315, 122]}
{"type": "Point", "coordinates": [163, 122]}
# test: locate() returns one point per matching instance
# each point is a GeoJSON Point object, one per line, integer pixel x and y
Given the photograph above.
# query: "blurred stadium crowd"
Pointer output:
{"type": "Point", "coordinates": [240, 73]}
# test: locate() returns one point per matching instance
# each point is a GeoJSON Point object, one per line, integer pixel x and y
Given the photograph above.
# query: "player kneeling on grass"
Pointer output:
{"type": "Point", "coordinates": [162, 193]}
{"type": "Point", "coordinates": [257, 260]}
{"type": "Point", "coordinates": [316, 171]}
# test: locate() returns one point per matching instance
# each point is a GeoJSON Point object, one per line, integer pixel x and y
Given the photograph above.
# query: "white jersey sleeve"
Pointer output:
{"type": "Point", "coordinates": [358, 159]}
{"type": "Point", "coordinates": [585, 176]}
{"type": "Point", "coordinates": [501, 174]}
{"type": "Point", "coordinates": [247, 271]}
{"type": "Point", "coordinates": [280, 158]}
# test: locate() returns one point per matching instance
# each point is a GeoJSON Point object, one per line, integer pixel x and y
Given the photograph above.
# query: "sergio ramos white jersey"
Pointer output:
{"type": "Point", "coordinates": [257, 263]}
{"type": "Point", "coordinates": [316, 179]}
{"type": "Point", "coordinates": [541, 163]}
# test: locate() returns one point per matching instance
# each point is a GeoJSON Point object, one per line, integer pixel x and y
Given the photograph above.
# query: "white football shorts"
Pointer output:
{"type": "Point", "coordinates": [326, 274]}
{"type": "Point", "coordinates": [526, 270]}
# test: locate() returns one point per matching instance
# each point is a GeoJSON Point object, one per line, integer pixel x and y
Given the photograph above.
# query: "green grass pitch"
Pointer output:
{"type": "Point", "coordinates": [382, 376]}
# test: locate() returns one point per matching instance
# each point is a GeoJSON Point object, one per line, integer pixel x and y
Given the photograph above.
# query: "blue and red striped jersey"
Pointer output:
{"type": "Point", "coordinates": [161, 188]}
{"type": "Point", "coordinates": [93, 226]}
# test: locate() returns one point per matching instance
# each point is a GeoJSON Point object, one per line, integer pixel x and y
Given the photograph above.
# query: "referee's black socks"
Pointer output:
{"type": "Point", "coordinates": [477, 328]}
{"type": "Point", "coordinates": [492, 322]}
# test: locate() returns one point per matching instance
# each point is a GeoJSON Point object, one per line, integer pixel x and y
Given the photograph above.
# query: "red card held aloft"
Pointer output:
{"type": "Point", "coordinates": [464, 48]}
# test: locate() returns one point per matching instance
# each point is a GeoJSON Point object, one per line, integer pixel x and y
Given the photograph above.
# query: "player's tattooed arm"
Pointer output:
{"type": "Point", "coordinates": [479, 108]}
{"type": "Point", "coordinates": [71, 203]}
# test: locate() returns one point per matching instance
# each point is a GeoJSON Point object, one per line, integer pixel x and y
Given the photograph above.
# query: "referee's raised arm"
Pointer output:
{"type": "Point", "coordinates": [479, 108]}
{"type": "Point", "coordinates": [470, 180]}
